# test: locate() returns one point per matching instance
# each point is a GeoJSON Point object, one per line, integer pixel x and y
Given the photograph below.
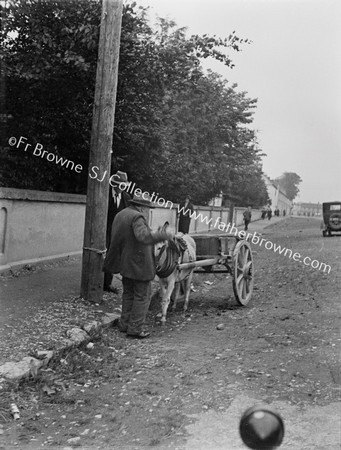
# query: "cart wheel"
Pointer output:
{"type": "Point", "coordinates": [335, 221]}
{"type": "Point", "coordinates": [242, 272]}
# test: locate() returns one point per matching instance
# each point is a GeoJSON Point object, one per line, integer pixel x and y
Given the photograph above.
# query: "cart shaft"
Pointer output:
{"type": "Point", "coordinates": [204, 262]}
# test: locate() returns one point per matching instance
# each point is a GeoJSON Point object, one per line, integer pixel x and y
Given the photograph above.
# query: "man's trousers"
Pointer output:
{"type": "Point", "coordinates": [135, 304]}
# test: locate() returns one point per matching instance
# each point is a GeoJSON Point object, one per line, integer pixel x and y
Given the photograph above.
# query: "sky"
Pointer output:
{"type": "Point", "coordinates": [293, 68]}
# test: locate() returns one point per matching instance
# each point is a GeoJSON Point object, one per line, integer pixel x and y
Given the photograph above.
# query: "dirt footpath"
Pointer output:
{"type": "Point", "coordinates": [186, 387]}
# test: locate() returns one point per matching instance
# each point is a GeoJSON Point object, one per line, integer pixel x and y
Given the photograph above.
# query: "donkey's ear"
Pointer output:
{"type": "Point", "coordinates": [165, 225]}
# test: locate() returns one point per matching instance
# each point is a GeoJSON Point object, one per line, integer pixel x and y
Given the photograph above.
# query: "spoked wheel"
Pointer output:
{"type": "Point", "coordinates": [335, 221]}
{"type": "Point", "coordinates": [242, 272]}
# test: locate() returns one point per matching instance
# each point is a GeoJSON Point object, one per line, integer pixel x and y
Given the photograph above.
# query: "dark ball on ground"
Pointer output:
{"type": "Point", "coordinates": [261, 428]}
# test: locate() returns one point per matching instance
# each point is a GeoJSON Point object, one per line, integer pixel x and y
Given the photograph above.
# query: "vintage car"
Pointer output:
{"type": "Point", "coordinates": [331, 218]}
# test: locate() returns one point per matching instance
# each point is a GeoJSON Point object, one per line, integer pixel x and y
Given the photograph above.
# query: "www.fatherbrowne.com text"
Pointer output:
{"type": "Point", "coordinates": [257, 240]}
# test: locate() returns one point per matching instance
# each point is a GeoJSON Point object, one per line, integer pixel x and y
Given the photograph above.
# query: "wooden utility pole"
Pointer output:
{"type": "Point", "coordinates": [100, 151]}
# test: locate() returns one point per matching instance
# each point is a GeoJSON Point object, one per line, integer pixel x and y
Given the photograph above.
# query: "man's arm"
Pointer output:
{"type": "Point", "coordinates": [143, 233]}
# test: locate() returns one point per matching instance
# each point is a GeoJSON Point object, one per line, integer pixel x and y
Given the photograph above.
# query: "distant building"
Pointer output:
{"type": "Point", "coordinates": [307, 209]}
{"type": "Point", "coordinates": [277, 196]}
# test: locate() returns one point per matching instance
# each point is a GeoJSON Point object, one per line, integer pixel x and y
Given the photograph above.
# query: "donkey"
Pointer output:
{"type": "Point", "coordinates": [169, 255]}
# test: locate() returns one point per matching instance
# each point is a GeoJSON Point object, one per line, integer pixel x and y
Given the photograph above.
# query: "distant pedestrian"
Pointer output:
{"type": "Point", "coordinates": [117, 201]}
{"type": "Point", "coordinates": [131, 254]}
{"type": "Point", "coordinates": [263, 213]}
{"type": "Point", "coordinates": [269, 212]}
{"type": "Point", "coordinates": [247, 214]}
{"type": "Point", "coordinates": [185, 213]}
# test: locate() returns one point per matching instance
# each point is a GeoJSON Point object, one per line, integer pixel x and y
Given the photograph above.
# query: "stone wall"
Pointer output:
{"type": "Point", "coordinates": [37, 226]}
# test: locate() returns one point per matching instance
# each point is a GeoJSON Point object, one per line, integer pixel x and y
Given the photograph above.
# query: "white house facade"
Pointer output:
{"type": "Point", "coordinates": [277, 197]}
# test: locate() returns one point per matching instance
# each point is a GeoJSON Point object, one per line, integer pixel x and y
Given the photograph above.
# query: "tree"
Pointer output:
{"type": "Point", "coordinates": [289, 182]}
{"type": "Point", "coordinates": [50, 52]}
{"type": "Point", "coordinates": [198, 123]}
{"type": "Point", "coordinates": [175, 121]}
{"type": "Point", "coordinates": [207, 139]}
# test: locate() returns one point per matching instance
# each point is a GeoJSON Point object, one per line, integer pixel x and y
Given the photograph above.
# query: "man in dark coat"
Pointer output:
{"type": "Point", "coordinates": [117, 201]}
{"type": "Point", "coordinates": [131, 254]}
{"type": "Point", "coordinates": [185, 212]}
{"type": "Point", "coordinates": [247, 214]}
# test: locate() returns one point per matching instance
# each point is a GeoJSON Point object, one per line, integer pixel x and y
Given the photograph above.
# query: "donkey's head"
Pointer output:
{"type": "Point", "coordinates": [160, 247]}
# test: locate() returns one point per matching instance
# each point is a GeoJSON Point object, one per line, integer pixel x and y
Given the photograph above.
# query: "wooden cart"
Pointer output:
{"type": "Point", "coordinates": [228, 250]}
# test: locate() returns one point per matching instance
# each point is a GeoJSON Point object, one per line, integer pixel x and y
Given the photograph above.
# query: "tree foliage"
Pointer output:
{"type": "Point", "coordinates": [289, 183]}
{"type": "Point", "coordinates": [177, 130]}
{"type": "Point", "coordinates": [50, 53]}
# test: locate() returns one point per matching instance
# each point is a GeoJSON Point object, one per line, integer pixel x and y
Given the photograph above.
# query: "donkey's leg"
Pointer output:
{"type": "Point", "coordinates": [163, 287]}
{"type": "Point", "coordinates": [188, 282]}
{"type": "Point", "coordinates": [166, 299]}
{"type": "Point", "coordinates": [176, 294]}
